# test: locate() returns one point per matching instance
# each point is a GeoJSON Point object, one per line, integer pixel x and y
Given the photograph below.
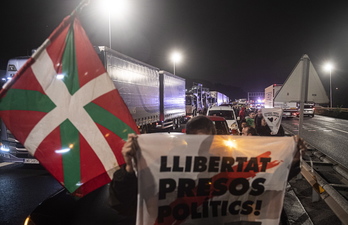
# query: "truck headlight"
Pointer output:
{"type": "Point", "coordinates": [4, 148]}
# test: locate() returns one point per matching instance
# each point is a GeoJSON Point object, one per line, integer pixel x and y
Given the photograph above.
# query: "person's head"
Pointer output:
{"type": "Point", "coordinates": [200, 125]}
{"type": "Point", "coordinates": [243, 124]}
{"type": "Point", "coordinates": [252, 115]}
{"type": "Point", "coordinates": [249, 131]}
{"type": "Point", "coordinates": [263, 122]}
{"type": "Point", "coordinates": [259, 113]}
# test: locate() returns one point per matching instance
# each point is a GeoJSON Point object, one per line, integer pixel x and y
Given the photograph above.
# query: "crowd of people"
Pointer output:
{"type": "Point", "coordinates": [252, 123]}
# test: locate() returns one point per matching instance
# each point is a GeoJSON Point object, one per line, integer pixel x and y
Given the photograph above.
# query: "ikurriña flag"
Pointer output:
{"type": "Point", "coordinates": [63, 107]}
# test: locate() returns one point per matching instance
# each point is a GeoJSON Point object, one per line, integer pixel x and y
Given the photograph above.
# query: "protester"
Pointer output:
{"type": "Point", "coordinates": [200, 125]}
{"type": "Point", "coordinates": [124, 188]}
{"type": "Point", "coordinates": [265, 130]}
{"type": "Point", "coordinates": [249, 131]}
{"type": "Point", "coordinates": [242, 114]}
{"type": "Point", "coordinates": [257, 119]}
{"type": "Point", "coordinates": [242, 125]}
{"type": "Point", "coordinates": [250, 119]}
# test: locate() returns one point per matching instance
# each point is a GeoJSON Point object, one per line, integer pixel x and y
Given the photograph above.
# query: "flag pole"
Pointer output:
{"type": "Point", "coordinates": [30, 61]}
{"type": "Point", "coordinates": [79, 8]}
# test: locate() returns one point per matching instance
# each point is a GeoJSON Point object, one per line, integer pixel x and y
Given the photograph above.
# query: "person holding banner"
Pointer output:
{"type": "Point", "coordinates": [264, 129]}
{"type": "Point", "coordinates": [123, 187]}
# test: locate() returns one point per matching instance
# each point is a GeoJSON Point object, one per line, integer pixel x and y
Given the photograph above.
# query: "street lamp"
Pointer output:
{"type": "Point", "coordinates": [176, 57]}
{"type": "Point", "coordinates": [118, 7]}
{"type": "Point", "coordinates": [328, 67]}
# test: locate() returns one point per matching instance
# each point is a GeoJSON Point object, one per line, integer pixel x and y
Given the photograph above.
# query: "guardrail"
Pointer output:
{"type": "Point", "coordinates": [329, 181]}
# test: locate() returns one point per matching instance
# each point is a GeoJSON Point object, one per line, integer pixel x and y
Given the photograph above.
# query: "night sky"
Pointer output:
{"type": "Point", "coordinates": [245, 44]}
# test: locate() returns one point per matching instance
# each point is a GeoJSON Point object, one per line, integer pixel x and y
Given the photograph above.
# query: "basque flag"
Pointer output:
{"type": "Point", "coordinates": [64, 108]}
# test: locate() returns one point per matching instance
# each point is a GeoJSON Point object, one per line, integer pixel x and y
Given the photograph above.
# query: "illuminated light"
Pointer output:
{"type": "Point", "coordinates": [79, 184]}
{"type": "Point", "coordinates": [71, 146]}
{"type": "Point", "coordinates": [328, 66]}
{"type": "Point", "coordinates": [176, 57]}
{"type": "Point", "coordinates": [4, 148]}
{"type": "Point", "coordinates": [60, 76]}
{"type": "Point", "coordinates": [119, 8]}
{"type": "Point", "coordinates": [62, 151]}
{"type": "Point", "coordinates": [230, 143]}
{"type": "Point", "coordinates": [27, 220]}
{"type": "Point", "coordinates": [107, 135]}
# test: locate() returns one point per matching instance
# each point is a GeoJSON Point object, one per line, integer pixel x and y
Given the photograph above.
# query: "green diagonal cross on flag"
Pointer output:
{"type": "Point", "coordinates": [64, 108]}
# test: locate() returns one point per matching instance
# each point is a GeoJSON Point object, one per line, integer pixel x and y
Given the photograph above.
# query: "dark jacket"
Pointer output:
{"type": "Point", "coordinates": [123, 194]}
{"type": "Point", "coordinates": [266, 131]}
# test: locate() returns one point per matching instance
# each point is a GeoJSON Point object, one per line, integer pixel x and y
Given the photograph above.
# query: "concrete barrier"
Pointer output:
{"type": "Point", "coordinates": [341, 113]}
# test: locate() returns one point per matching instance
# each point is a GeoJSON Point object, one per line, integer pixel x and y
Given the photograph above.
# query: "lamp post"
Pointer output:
{"type": "Point", "coordinates": [329, 67]}
{"type": "Point", "coordinates": [118, 7]}
{"type": "Point", "coordinates": [176, 57]}
{"type": "Point", "coordinates": [109, 28]}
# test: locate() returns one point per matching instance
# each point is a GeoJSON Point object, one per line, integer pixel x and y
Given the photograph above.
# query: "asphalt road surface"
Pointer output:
{"type": "Point", "coordinates": [328, 135]}
{"type": "Point", "coordinates": [22, 189]}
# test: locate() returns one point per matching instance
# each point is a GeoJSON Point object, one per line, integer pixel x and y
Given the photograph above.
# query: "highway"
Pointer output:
{"type": "Point", "coordinates": [24, 187]}
{"type": "Point", "coordinates": [324, 166]}
{"type": "Point", "coordinates": [326, 134]}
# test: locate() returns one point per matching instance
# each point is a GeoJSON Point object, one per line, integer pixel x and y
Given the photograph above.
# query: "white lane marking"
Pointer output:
{"type": "Point", "coordinates": [5, 164]}
{"type": "Point", "coordinates": [338, 130]}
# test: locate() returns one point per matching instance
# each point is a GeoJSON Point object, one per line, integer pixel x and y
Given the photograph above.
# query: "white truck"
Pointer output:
{"type": "Point", "coordinates": [155, 98]}
{"type": "Point", "coordinates": [289, 108]}
{"type": "Point", "coordinates": [11, 150]}
{"type": "Point", "coordinates": [218, 98]}
{"type": "Point", "coordinates": [195, 100]}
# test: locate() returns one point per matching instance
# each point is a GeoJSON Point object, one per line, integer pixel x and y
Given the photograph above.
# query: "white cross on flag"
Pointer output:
{"type": "Point", "coordinates": [64, 108]}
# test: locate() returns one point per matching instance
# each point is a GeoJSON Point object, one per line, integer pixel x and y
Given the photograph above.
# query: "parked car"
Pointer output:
{"type": "Point", "coordinates": [228, 113]}
{"type": "Point", "coordinates": [221, 125]}
{"type": "Point", "coordinates": [308, 110]}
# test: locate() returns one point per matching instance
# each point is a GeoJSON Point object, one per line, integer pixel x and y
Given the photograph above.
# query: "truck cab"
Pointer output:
{"type": "Point", "coordinates": [11, 150]}
{"type": "Point", "coordinates": [14, 64]}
